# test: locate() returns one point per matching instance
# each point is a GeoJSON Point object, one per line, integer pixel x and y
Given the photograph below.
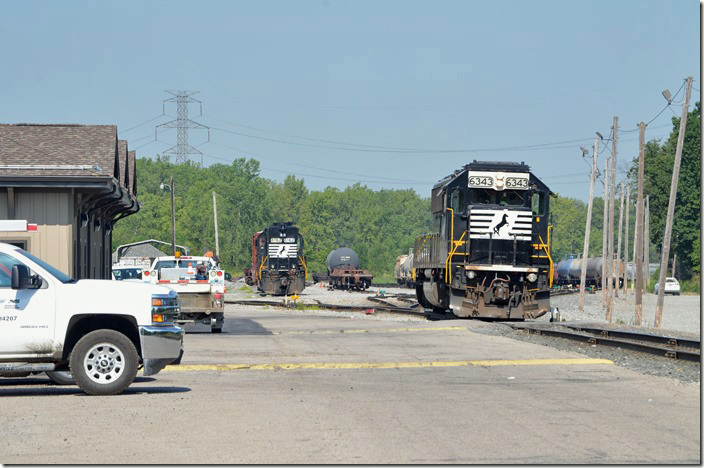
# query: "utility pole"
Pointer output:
{"type": "Point", "coordinates": [182, 124]}
{"type": "Point", "coordinates": [610, 249]}
{"type": "Point", "coordinates": [173, 219]}
{"type": "Point", "coordinates": [646, 244]}
{"type": "Point", "coordinates": [636, 239]}
{"type": "Point", "coordinates": [215, 217]}
{"type": "Point", "coordinates": [671, 206]}
{"type": "Point", "coordinates": [639, 229]}
{"type": "Point", "coordinates": [587, 229]}
{"type": "Point", "coordinates": [625, 242]}
{"type": "Point", "coordinates": [618, 248]}
{"type": "Point", "coordinates": [605, 224]}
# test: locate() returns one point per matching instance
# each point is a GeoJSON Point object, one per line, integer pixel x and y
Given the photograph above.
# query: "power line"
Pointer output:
{"type": "Point", "coordinates": [538, 146]}
{"type": "Point", "coordinates": [310, 139]}
{"type": "Point", "coordinates": [143, 123]}
{"type": "Point", "coordinates": [322, 177]}
{"type": "Point", "coordinates": [316, 168]}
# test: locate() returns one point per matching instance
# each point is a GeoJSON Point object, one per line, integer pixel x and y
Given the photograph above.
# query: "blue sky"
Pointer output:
{"type": "Point", "coordinates": [429, 75]}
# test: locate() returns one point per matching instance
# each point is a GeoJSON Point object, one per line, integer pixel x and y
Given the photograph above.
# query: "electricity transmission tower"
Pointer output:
{"type": "Point", "coordinates": [182, 124]}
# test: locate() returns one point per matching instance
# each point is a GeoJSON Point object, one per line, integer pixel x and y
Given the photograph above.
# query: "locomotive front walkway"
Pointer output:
{"type": "Point", "coordinates": [281, 386]}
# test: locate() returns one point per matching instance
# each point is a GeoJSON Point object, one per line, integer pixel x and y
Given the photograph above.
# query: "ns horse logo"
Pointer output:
{"type": "Point", "coordinates": [500, 224]}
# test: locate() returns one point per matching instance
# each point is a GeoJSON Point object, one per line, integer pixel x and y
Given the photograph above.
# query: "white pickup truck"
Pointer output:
{"type": "Point", "coordinates": [101, 331]}
{"type": "Point", "coordinates": [200, 284]}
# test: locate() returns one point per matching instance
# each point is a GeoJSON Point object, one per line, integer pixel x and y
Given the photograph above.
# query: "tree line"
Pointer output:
{"type": "Point", "coordinates": [382, 224]}
{"type": "Point", "coordinates": [378, 225]}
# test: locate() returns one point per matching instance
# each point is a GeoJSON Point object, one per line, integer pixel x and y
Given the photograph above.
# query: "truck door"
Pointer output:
{"type": "Point", "coordinates": [27, 316]}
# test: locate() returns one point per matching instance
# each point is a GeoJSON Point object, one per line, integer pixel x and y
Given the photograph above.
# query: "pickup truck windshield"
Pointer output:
{"type": "Point", "coordinates": [58, 274]}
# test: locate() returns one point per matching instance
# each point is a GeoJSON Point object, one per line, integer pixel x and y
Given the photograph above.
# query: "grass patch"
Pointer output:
{"type": "Point", "coordinates": [384, 278]}
{"type": "Point", "coordinates": [692, 286]}
{"type": "Point", "coordinates": [301, 306]}
{"type": "Point", "coordinates": [246, 288]}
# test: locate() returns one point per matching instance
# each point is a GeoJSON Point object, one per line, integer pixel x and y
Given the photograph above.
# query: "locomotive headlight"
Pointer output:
{"type": "Point", "coordinates": [532, 277]}
{"type": "Point", "coordinates": [471, 274]}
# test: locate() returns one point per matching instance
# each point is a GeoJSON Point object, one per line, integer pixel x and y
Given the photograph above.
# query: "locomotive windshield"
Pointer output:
{"type": "Point", "coordinates": [511, 198]}
{"type": "Point", "coordinates": [502, 198]}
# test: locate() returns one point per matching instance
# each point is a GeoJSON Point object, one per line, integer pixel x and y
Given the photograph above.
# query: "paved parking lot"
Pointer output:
{"type": "Point", "coordinates": [306, 387]}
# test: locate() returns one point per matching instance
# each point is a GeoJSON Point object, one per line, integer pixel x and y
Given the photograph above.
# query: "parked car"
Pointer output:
{"type": "Point", "coordinates": [127, 274]}
{"type": "Point", "coordinates": [672, 286]}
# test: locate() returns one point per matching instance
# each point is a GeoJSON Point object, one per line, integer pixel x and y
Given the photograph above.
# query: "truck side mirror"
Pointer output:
{"type": "Point", "coordinates": [20, 277]}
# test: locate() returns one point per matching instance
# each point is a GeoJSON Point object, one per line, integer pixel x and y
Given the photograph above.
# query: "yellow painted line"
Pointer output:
{"type": "Point", "coordinates": [372, 330]}
{"type": "Point", "coordinates": [386, 365]}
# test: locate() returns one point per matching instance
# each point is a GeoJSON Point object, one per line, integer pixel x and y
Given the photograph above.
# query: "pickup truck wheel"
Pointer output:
{"type": "Point", "coordinates": [104, 362]}
{"type": "Point", "coordinates": [61, 377]}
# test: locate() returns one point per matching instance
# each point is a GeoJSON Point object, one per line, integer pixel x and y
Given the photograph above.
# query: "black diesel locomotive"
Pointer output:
{"type": "Point", "coordinates": [278, 264]}
{"type": "Point", "coordinates": [489, 253]}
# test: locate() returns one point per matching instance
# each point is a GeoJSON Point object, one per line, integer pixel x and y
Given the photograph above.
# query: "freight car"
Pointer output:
{"type": "Point", "coordinates": [569, 271]}
{"type": "Point", "coordinates": [403, 270]}
{"type": "Point", "coordinates": [344, 271]}
{"type": "Point", "coordinates": [278, 264]}
{"type": "Point", "coordinates": [489, 253]}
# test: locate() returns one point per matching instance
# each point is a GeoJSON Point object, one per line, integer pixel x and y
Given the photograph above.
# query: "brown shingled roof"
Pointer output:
{"type": "Point", "coordinates": [65, 144]}
{"type": "Point", "coordinates": [131, 157]}
{"type": "Point", "coordinates": [122, 160]}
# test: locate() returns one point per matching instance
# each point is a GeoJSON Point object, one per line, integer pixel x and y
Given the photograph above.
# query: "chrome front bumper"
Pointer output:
{"type": "Point", "coordinates": [161, 345]}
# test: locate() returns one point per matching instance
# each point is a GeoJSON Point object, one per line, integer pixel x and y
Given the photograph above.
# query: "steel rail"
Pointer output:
{"type": "Point", "coordinates": [569, 333]}
{"type": "Point", "coordinates": [660, 339]}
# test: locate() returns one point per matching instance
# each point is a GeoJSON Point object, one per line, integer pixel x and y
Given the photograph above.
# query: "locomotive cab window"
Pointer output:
{"type": "Point", "coordinates": [457, 200]}
{"type": "Point", "coordinates": [511, 198]}
{"type": "Point", "coordinates": [437, 222]}
{"type": "Point", "coordinates": [538, 203]}
{"type": "Point", "coordinates": [481, 197]}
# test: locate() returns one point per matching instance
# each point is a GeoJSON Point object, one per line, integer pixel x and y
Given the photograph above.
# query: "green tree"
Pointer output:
{"type": "Point", "coordinates": [659, 163]}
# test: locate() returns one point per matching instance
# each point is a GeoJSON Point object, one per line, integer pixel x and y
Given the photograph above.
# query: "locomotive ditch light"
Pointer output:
{"type": "Point", "coordinates": [532, 277]}
{"type": "Point", "coordinates": [471, 274]}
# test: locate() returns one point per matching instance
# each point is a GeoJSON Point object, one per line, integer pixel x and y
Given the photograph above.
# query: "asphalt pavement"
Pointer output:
{"type": "Point", "coordinates": [283, 386]}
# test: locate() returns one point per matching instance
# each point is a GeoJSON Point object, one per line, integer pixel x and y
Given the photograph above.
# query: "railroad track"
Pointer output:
{"type": "Point", "coordinates": [562, 292]}
{"type": "Point", "coordinates": [385, 306]}
{"type": "Point", "coordinates": [659, 345]}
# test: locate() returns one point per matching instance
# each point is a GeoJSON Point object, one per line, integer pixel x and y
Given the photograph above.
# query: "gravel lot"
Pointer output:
{"type": "Point", "coordinates": [680, 313]}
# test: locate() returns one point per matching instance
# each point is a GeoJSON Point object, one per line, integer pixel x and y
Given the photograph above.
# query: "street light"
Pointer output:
{"type": "Point", "coordinates": [170, 187]}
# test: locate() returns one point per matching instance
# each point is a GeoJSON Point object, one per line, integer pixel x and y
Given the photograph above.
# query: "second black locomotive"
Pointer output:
{"type": "Point", "coordinates": [278, 264]}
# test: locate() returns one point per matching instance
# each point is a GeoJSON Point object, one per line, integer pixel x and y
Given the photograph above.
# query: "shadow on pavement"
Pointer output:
{"type": "Point", "coordinates": [233, 326]}
{"type": "Point", "coordinates": [10, 387]}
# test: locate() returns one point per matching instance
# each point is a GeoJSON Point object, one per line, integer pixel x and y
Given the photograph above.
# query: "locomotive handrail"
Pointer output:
{"type": "Point", "coordinates": [547, 251]}
{"type": "Point", "coordinates": [451, 254]}
{"type": "Point", "coordinates": [305, 267]}
{"type": "Point", "coordinates": [262, 266]}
